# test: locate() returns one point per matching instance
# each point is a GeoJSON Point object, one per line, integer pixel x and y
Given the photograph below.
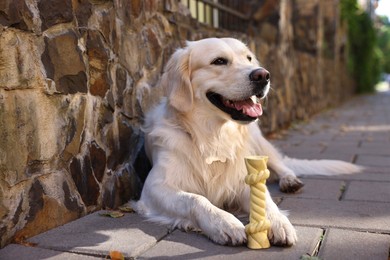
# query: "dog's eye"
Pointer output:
{"type": "Point", "coordinates": [249, 58]}
{"type": "Point", "coordinates": [220, 61]}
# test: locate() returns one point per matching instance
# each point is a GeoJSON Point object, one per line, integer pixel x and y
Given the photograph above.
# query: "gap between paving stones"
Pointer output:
{"type": "Point", "coordinates": [354, 158]}
{"type": "Point", "coordinates": [72, 252]}
{"type": "Point", "coordinates": [67, 251]}
{"type": "Point", "coordinates": [347, 244]}
{"type": "Point", "coordinates": [317, 248]}
{"type": "Point", "coordinates": [343, 188]}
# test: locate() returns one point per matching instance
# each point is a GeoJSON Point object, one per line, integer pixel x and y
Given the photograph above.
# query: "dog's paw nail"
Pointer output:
{"type": "Point", "coordinates": [282, 233]}
{"type": "Point", "coordinates": [229, 233]}
{"type": "Point", "coordinates": [290, 184]}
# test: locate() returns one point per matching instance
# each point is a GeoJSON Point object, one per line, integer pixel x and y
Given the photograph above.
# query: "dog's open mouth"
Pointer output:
{"type": "Point", "coordinates": [242, 110]}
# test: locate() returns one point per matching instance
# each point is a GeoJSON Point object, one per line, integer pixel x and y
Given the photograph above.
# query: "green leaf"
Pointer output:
{"type": "Point", "coordinates": [112, 214]}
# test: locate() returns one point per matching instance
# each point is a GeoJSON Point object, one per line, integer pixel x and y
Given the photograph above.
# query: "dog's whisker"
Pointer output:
{"type": "Point", "coordinates": [272, 89]}
{"type": "Point", "coordinates": [265, 102]}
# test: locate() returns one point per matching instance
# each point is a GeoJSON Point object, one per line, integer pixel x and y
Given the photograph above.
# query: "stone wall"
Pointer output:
{"type": "Point", "coordinates": [76, 77]}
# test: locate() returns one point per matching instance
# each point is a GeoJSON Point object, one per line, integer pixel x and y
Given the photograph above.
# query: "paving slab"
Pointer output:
{"type": "Point", "coordinates": [368, 191]}
{"type": "Point", "coordinates": [377, 169]}
{"type": "Point", "coordinates": [373, 160]}
{"type": "Point", "coordinates": [301, 154]}
{"type": "Point", "coordinates": [354, 136]}
{"type": "Point", "coordinates": [182, 245]}
{"type": "Point", "coordinates": [356, 215]}
{"type": "Point", "coordinates": [346, 244]}
{"type": "Point", "coordinates": [343, 143]}
{"type": "Point", "coordinates": [341, 155]}
{"type": "Point", "coordinates": [382, 148]}
{"type": "Point", "coordinates": [313, 189]}
{"type": "Point", "coordinates": [313, 134]}
{"type": "Point", "coordinates": [322, 149]}
{"type": "Point", "coordinates": [319, 137]}
{"type": "Point", "coordinates": [375, 137]}
{"type": "Point", "coordinates": [378, 175]}
{"type": "Point", "coordinates": [342, 148]}
{"type": "Point", "coordinates": [20, 252]}
{"type": "Point", "coordinates": [314, 148]}
{"type": "Point", "coordinates": [284, 143]}
{"type": "Point", "coordinates": [98, 235]}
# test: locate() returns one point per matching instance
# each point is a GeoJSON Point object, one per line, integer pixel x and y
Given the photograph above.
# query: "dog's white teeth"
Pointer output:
{"type": "Point", "coordinates": [254, 99]}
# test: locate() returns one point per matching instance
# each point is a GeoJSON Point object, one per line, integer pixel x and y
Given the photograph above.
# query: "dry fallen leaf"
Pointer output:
{"type": "Point", "coordinates": [127, 209]}
{"type": "Point", "coordinates": [112, 214]}
{"type": "Point", "coordinates": [22, 241]}
{"type": "Point", "coordinates": [116, 255]}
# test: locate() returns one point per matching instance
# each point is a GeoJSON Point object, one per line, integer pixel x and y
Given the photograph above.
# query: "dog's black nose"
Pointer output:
{"type": "Point", "coordinates": [260, 77]}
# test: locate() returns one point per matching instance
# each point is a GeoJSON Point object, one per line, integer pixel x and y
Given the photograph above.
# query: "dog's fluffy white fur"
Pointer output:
{"type": "Point", "coordinates": [197, 149]}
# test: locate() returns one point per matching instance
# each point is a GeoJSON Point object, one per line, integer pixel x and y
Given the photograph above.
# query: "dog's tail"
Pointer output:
{"type": "Point", "coordinates": [321, 167]}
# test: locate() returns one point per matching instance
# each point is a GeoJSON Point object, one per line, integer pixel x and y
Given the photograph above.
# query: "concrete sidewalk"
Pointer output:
{"type": "Point", "coordinates": [342, 217]}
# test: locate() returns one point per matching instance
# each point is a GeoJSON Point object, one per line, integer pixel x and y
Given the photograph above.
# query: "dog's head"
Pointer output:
{"type": "Point", "coordinates": [219, 73]}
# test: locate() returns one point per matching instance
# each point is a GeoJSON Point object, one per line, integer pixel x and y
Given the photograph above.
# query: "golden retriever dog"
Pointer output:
{"type": "Point", "coordinates": [198, 136]}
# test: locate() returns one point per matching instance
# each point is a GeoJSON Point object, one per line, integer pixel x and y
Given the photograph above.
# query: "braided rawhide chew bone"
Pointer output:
{"type": "Point", "coordinates": [258, 226]}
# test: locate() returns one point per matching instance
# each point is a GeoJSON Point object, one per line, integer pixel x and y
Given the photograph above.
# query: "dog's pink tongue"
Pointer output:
{"type": "Point", "coordinates": [249, 108]}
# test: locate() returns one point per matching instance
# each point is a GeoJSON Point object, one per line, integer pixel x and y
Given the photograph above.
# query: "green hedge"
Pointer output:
{"type": "Point", "coordinates": [384, 43]}
{"type": "Point", "coordinates": [364, 56]}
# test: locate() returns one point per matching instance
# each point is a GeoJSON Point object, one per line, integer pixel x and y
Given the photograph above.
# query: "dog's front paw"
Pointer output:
{"type": "Point", "coordinates": [226, 230]}
{"type": "Point", "coordinates": [290, 184]}
{"type": "Point", "coordinates": [282, 232]}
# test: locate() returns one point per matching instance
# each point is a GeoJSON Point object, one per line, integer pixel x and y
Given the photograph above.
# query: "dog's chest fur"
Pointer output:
{"type": "Point", "coordinates": [211, 156]}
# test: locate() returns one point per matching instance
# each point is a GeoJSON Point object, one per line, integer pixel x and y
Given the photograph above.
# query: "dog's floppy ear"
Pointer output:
{"type": "Point", "coordinates": [176, 81]}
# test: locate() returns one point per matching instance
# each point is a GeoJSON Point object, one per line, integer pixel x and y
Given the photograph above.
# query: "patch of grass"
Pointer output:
{"type": "Point", "coordinates": [342, 190]}
{"type": "Point", "coordinates": [314, 254]}
{"type": "Point", "coordinates": [309, 257]}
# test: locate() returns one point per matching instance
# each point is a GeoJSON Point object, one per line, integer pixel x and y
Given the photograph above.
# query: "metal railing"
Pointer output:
{"type": "Point", "coordinates": [227, 14]}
